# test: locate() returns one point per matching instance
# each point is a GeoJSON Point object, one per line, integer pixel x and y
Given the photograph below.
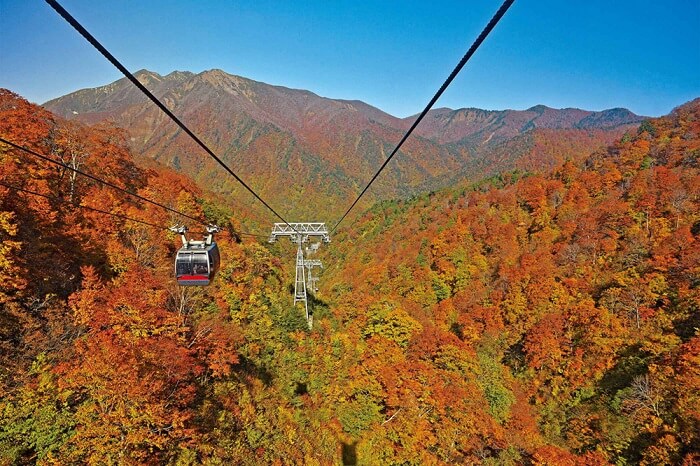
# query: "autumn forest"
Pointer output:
{"type": "Point", "coordinates": [546, 313]}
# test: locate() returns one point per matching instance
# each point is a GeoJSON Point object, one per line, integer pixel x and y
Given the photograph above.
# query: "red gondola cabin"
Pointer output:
{"type": "Point", "coordinates": [196, 262]}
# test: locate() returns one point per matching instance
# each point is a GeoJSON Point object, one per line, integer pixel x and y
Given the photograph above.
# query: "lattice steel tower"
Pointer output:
{"type": "Point", "coordinates": [300, 233]}
{"type": "Point", "coordinates": [312, 280]}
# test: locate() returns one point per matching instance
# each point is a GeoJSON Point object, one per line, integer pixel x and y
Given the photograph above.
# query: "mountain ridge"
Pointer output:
{"type": "Point", "coordinates": [617, 116]}
{"type": "Point", "coordinates": [288, 142]}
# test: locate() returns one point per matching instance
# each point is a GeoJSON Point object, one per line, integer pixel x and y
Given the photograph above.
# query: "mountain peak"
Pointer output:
{"type": "Point", "coordinates": [690, 106]}
{"type": "Point", "coordinates": [609, 118]}
{"type": "Point", "coordinates": [179, 75]}
{"type": "Point", "coordinates": [215, 72]}
{"type": "Point", "coordinates": [538, 108]}
{"type": "Point", "coordinates": [147, 73]}
{"type": "Point", "coordinates": [146, 77]}
{"type": "Point", "coordinates": [231, 84]}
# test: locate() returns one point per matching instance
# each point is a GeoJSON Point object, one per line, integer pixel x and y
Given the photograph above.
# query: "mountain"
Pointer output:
{"type": "Point", "coordinates": [541, 319]}
{"type": "Point", "coordinates": [293, 145]}
{"type": "Point", "coordinates": [481, 126]}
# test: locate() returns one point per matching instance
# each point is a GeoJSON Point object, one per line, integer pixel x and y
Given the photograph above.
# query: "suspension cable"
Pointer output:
{"type": "Point", "coordinates": [82, 206]}
{"type": "Point", "coordinates": [94, 178]}
{"type": "Point", "coordinates": [97, 45]}
{"type": "Point", "coordinates": [112, 185]}
{"type": "Point", "coordinates": [496, 18]}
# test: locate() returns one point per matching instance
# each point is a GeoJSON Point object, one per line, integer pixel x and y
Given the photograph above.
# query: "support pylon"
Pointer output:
{"type": "Point", "coordinates": [300, 283]}
{"type": "Point", "coordinates": [300, 233]}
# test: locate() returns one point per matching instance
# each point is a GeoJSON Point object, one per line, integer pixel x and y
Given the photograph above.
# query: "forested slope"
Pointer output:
{"type": "Point", "coordinates": [548, 319]}
{"type": "Point", "coordinates": [104, 358]}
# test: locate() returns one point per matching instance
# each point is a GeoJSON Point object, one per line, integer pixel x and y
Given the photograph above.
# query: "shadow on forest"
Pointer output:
{"type": "Point", "coordinates": [686, 328]}
{"type": "Point", "coordinates": [349, 454]}
{"type": "Point", "coordinates": [630, 364]}
{"type": "Point", "coordinates": [301, 389]}
{"type": "Point", "coordinates": [248, 367]}
{"type": "Point", "coordinates": [318, 308]}
{"type": "Point", "coordinates": [51, 260]}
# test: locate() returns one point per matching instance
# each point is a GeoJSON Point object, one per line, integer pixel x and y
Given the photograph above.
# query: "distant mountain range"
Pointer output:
{"type": "Point", "coordinates": [295, 147]}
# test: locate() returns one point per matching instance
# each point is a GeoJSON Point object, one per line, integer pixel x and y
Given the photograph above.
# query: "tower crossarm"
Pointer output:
{"type": "Point", "coordinates": [309, 263]}
{"type": "Point", "coordinates": [300, 232]}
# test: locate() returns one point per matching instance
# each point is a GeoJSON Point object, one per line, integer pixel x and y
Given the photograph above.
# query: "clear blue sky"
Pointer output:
{"type": "Point", "coordinates": [643, 55]}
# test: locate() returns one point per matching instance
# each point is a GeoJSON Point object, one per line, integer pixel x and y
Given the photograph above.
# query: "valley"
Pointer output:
{"type": "Point", "coordinates": [541, 316]}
